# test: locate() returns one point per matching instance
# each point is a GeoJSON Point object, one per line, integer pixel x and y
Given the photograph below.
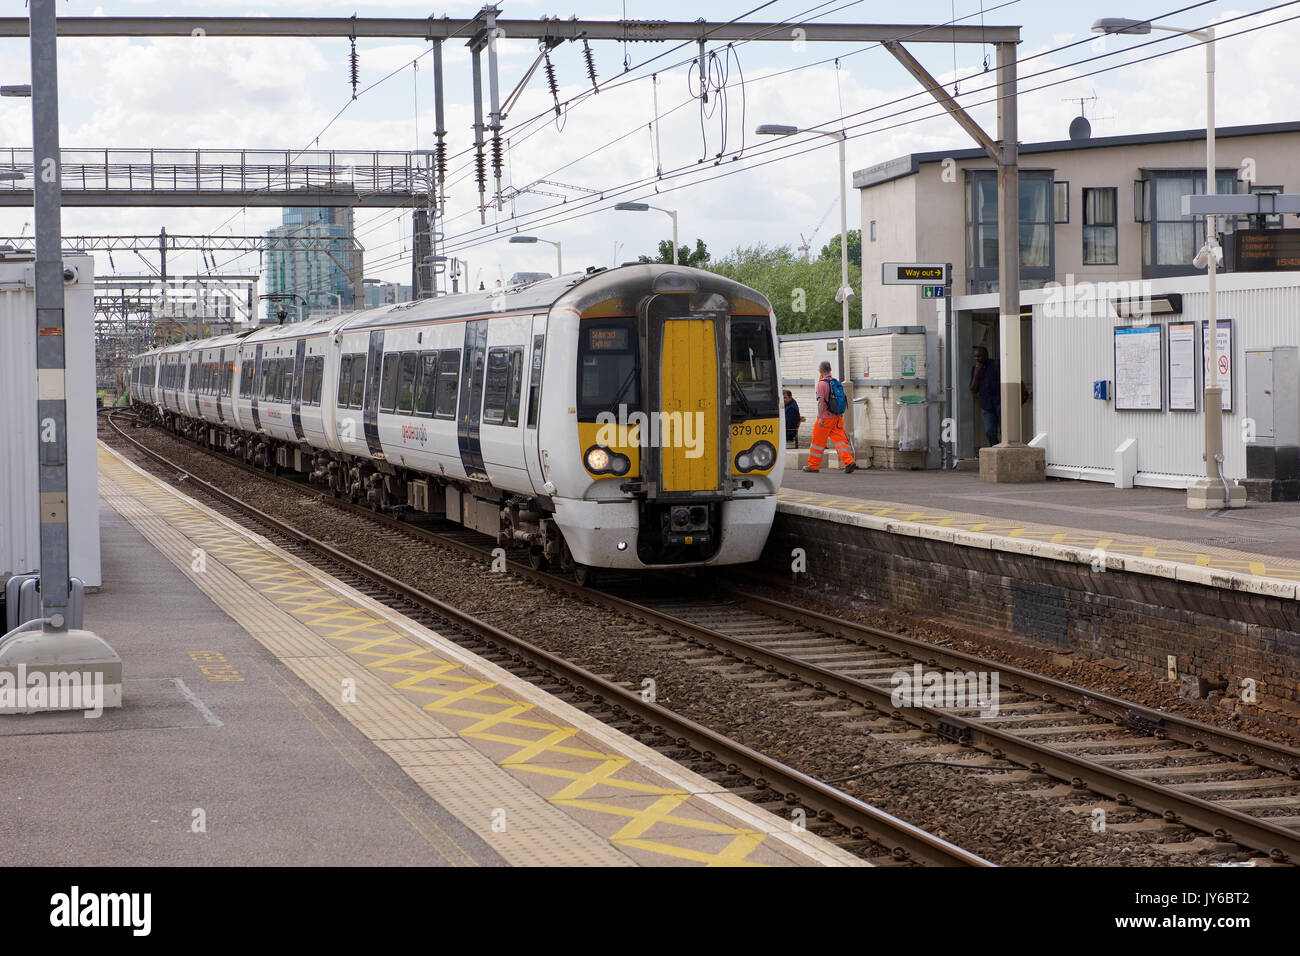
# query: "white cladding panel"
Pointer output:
{"type": "Point", "coordinates": [1071, 352]}
{"type": "Point", "coordinates": [20, 543]}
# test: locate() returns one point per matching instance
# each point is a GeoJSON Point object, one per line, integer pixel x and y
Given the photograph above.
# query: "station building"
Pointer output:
{"type": "Point", "coordinates": [1103, 247]}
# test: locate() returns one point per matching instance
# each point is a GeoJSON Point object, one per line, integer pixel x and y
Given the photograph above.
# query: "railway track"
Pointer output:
{"type": "Point", "coordinates": [759, 778]}
{"type": "Point", "coordinates": [1239, 789]}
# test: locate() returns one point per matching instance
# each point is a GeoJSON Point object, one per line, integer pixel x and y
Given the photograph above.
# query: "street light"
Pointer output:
{"type": "Point", "coordinates": [845, 294]}
{"type": "Point", "coordinates": [644, 207]}
{"type": "Point", "coordinates": [1206, 489]}
{"type": "Point", "coordinates": [559, 261]}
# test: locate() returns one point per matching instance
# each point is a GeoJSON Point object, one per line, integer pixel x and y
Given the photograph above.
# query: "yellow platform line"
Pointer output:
{"type": "Point", "coordinates": [273, 577]}
{"type": "Point", "coordinates": [1135, 545]}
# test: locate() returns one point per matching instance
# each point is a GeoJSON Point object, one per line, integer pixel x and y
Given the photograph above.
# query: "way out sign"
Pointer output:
{"type": "Point", "coordinates": [913, 273]}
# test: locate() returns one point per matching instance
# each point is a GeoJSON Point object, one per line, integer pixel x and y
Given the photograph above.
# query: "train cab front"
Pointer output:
{"type": "Point", "coordinates": [677, 412]}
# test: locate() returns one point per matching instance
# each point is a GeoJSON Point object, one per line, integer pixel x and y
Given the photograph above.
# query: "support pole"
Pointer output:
{"type": "Point", "coordinates": [480, 173]}
{"type": "Point", "coordinates": [1011, 459]}
{"type": "Point", "coordinates": [494, 118]}
{"type": "Point", "coordinates": [51, 372]}
{"type": "Point", "coordinates": [80, 670]}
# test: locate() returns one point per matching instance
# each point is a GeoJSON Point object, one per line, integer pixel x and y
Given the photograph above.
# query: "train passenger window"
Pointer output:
{"type": "Point", "coordinates": [406, 382]}
{"type": "Point", "coordinates": [345, 380]}
{"type": "Point", "coordinates": [448, 383]}
{"type": "Point", "coordinates": [287, 380]}
{"type": "Point", "coordinates": [535, 382]}
{"type": "Point", "coordinates": [515, 386]}
{"type": "Point", "coordinates": [358, 381]}
{"type": "Point", "coordinates": [496, 387]}
{"type": "Point", "coordinates": [246, 379]}
{"type": "Point", "coordinates": [427, 384]}
{"type": "Point", "coordinates": [753, 368]}
{"type": "Point", "coordinates": [388, 382]}
{"type": "Point", "coordinates": [609, 374]}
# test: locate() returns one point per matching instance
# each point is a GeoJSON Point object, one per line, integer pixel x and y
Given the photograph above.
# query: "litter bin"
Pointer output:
{"type": "Point", "coordinates": [911, 423]}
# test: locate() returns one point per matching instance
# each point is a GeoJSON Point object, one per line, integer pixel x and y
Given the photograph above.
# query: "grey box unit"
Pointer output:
{"type": "Point", "coordinates": [23, 601]}
{"type": "Point", "coordinates": [1273, 404]}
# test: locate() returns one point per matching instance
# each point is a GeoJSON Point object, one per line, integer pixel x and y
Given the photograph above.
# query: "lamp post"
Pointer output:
{"type": "Point", "coordinates": [845, 294]}
{"type": "Point", "coordinates": [643, 207]}
{"type": "Point", "coordinates": [1207, 492]}
{"type": "Point", "coordinates": [559, 261]}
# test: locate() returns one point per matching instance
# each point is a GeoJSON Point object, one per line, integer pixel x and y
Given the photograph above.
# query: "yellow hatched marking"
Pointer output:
{"type": "Point", "coordinates": [338, 621]}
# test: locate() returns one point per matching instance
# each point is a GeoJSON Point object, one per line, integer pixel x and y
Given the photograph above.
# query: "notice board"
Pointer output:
{"type": "Point", "coordinates": [1222, 352]}
{"type": "Point", "coordinates": [1138, 379]}
{"type": "Point", "coordinates": [1182, 366]}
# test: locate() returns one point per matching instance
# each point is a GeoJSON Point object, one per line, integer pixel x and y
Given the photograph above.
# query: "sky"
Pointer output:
{"type": "Point", "coordinates": [294, 94]}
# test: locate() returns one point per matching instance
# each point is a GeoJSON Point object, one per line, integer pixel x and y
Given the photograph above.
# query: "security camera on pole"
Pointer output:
{"type": "Point", "coordinates": [1213, 490]}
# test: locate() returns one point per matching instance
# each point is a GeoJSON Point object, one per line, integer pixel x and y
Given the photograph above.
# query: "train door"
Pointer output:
{"type": "Point", "coordinates": [370, 408]}
{"type": "Point", "coordinates": [469, 416]}
{"type": "Point", "coordinates": [533, 413]}
{"type": "Point", "coordinates": [257, 374]}
{"type": "Point", "coordinates": [295, 409]}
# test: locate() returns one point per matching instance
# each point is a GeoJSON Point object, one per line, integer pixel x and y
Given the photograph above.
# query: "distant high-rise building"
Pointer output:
{"type": "Point", "coordinates": [379, 292]}
{"type": "Point", "coordinates": [320, 274]}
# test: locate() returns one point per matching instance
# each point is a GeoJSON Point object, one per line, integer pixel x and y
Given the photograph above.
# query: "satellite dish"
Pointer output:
{"type": "Point", "coordinates": [1080, 129]}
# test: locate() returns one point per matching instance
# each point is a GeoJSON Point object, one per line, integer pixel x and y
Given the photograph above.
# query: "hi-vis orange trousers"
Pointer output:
{"type": "Point", "coordinates": [829, 433]}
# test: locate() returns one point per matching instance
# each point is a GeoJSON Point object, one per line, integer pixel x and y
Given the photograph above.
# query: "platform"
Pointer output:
{"type": "Point", "coordinates": [1141, 530]}
{"type": "Point", "coordinates": [274, 715]}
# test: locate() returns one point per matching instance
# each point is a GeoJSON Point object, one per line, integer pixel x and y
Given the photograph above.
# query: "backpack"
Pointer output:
{"type": "Point", "coordinates": [836, 402]}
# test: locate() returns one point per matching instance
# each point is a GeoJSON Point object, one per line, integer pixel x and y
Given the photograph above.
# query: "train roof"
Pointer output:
{"type": "Point", "coordinates": [576, 290]}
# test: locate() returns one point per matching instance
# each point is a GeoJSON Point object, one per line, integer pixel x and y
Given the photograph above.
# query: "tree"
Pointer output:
{"type": "Point", "coordinates": [802, 293]}
{"type": "Point", "coordinates": [831, 251]}
{"type": "Point", "coordinates": [685, 256]}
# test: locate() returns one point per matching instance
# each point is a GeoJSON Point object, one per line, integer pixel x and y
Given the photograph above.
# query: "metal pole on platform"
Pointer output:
{"type": "Point", "coordinates": [51, 375]}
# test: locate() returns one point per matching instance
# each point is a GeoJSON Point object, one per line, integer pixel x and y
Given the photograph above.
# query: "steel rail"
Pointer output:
{"type": "Point", "coordinates": [904, 840]}
{"type": "Point", "coordinates": [1223, 822]}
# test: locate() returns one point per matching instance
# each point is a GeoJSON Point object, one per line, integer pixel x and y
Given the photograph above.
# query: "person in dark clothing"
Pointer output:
{"type": "Point", "coordinates": [986, 383]}
{"type": "Point", "coordinates": [792, 419]}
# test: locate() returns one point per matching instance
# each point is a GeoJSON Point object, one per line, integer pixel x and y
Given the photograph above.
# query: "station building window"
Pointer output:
{"type": "Point", "coordinates": [1037, 239]}
{"type": "Point", "coordinates": [1170, 240]}
{"type": "Point", "coordinates": [1100, 226]}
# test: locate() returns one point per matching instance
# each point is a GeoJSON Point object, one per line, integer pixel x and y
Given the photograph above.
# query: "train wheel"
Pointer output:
{"type": "Point", "coordinates": [584, 575]}
{"type": "Point", "coordinates": [537, 559]}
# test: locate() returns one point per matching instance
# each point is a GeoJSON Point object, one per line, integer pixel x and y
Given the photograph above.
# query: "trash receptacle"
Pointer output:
{"type": "Point", "coordinates": [911, 423]}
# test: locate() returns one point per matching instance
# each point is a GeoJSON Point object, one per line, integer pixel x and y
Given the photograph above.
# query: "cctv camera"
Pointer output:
{"type": "Point", "coordinates": [69, 274]}
{"type": "Point", "coordinates": [845, 294]}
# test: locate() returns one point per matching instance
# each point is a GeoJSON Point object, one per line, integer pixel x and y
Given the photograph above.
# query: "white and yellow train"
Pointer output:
{"type": "Point", "coordinates": [622, 418]}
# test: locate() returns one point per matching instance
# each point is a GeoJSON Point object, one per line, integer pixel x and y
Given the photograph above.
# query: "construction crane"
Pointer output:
{"type": "Point", "coordinates": [806, 244]}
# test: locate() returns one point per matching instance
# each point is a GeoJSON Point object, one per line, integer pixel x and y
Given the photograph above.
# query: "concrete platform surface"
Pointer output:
{"type": "Point", "coordinates": [1259, 541]}
{"type": "Point", "coordinates": [273, 715]}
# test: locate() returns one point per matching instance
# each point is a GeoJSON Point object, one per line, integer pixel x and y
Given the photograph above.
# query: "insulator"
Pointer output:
{"type": "Point", "coordinates": [496, 152]}
{"type": "Point", "coordinates": [480, 168]}
{"type": "Point", "coordinates": [591, 63]}
{"type": "Point", "coordinates": [551, 82]}
{"type": "Point", "coordinates": [440, 161]}
{"type": "Point", "coordinates": [355, 67]}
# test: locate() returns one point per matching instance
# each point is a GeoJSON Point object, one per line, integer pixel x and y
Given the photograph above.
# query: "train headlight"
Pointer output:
{"type": "Point", "coordinates": [758, 458]}
{"type": "Point", "coordinates": [602, 461]}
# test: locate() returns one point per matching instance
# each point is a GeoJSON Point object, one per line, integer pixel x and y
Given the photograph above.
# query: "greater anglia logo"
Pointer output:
{"type": "Point", "coordinates": [77, 909]}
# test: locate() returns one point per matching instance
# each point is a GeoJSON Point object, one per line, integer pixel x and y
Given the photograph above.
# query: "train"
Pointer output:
{"type": "Point", "coordinates": [623, 418]}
